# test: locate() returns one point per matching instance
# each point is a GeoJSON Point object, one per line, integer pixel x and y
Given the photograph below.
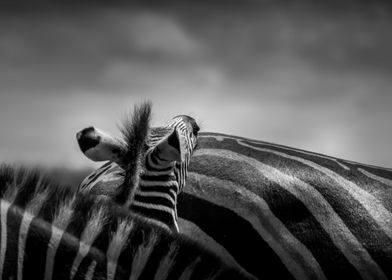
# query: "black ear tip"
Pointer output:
{"type": "Point", "coordinates": [84, 132]}
{"type": "Point", "coordinates": [88, 130]}
{"type": "Point", "coordinates": [85, 142]}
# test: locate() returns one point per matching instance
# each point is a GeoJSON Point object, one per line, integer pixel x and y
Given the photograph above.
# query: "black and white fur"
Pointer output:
{"type": "Point", "coordinates": [304, 215]}
{"type": "Point", "coordinates": [157, 158]}
{"type": "Point", "coordinates": [49, 231]}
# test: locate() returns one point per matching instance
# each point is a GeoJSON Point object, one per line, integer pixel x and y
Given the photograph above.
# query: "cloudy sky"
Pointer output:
{"type": "Point", "coordinates": [312, 76]}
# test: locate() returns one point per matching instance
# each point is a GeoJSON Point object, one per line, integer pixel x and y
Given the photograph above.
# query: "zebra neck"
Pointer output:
{"type": "Point", "coordinates": [156, 198]}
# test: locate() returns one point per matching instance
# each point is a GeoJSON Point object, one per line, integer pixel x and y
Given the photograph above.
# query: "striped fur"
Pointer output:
{"type": "Point", "coordinates": [162, 176]}
{"type": "Point", "coordinates": [312, 216]}
{"type": "Point", "coordinates": [304, 215]}
{"type": "Point", "coordinates": [134, 132]}
{"type": "Point", "coordinates": [51, 232]}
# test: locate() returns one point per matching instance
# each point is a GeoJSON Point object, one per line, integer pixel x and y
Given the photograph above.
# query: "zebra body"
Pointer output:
{"type": "Point", "coordinates": [304, 215]}
{"type": "Point", "coordinates": [51, 232]}
{"type": "Point", "coordinates": [163, 174]}
{"type": "Point", "coordinates": [311, 216]}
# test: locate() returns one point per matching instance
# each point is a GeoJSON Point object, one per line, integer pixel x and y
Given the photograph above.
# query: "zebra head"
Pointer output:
{"type": "Point", "coordinates": [173, 143]}
{"type": "Point", "coordinates": [159, 158]}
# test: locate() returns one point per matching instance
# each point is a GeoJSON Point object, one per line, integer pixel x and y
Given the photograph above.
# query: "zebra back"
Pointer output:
{"type": "Point", "coordinates": [50, 232]}
{"type": "Point", "coordinates": [305, 215]}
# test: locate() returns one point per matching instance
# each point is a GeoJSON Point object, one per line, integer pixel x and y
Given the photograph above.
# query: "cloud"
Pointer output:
{"type": "Point", "coordinates": [153, 33]}
{"type": "Point", "coordinates": [74, 48]}
{"type": "Point", "coordinates": [49, 52]}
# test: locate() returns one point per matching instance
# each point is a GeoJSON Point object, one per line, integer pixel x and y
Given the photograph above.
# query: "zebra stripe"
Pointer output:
{"type": "Point", "coordinates": [46, 244]}
{"type": "Point", "coordinates": [380, 179]}
{"type": "Point", "coordinates": [90, 271]}
{"type": "Point", "coordinates": [168, 197]}
{"type": "Point", "coordinates": [115, 248]}
{"type": "Point", "coordinates": [89, 234]}
{"type": "Point", "coordinates": [52, 249]}
{"type": "Point", "coordinates": [3, 215]}
{"type": "Point", "coordinates": [26, 220]}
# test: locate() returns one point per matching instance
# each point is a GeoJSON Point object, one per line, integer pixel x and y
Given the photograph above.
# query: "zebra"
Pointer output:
{"type": "Point", "coordinates": [163, 154]}
{"type": "Point", "coordinates": [304, 215]}
{"type": "Point", "coordinates": [49, 231]}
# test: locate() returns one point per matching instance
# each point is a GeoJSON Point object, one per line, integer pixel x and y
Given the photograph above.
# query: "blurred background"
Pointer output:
{"type": "Point", "coordinates": [314, 75]}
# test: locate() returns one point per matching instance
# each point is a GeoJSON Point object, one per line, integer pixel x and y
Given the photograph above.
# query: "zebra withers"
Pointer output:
{"type": "Point", "coordinates": [162, 154]}
{"type": "Point", "coordinates": [49, 231]}
{"type": "Point", "coordinates": [305, 215]}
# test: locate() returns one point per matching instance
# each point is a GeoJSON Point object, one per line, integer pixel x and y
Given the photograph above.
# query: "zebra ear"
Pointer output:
{"type": "Point", "coordinates": [169, 149]}
{"type": "Point", "coordinates": [99, 145]}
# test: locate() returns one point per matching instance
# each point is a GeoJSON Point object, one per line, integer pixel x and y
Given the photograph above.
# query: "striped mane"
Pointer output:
{"type": "Point", "coordinates": [135, 131]}
{"type": "Point", "coordinates": [87, 236]}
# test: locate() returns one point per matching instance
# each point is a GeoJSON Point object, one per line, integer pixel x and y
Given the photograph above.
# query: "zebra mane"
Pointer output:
{"type": "Point", "coordinates": [135, 131]}
{"type": "Point", "coordinates": [111, 233]}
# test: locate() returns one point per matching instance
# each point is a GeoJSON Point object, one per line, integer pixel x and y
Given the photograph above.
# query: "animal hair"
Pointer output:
{"type": "Point", "coordinates": [135, 131]}
{"type": "Point", "coordinates": [111, 235]}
